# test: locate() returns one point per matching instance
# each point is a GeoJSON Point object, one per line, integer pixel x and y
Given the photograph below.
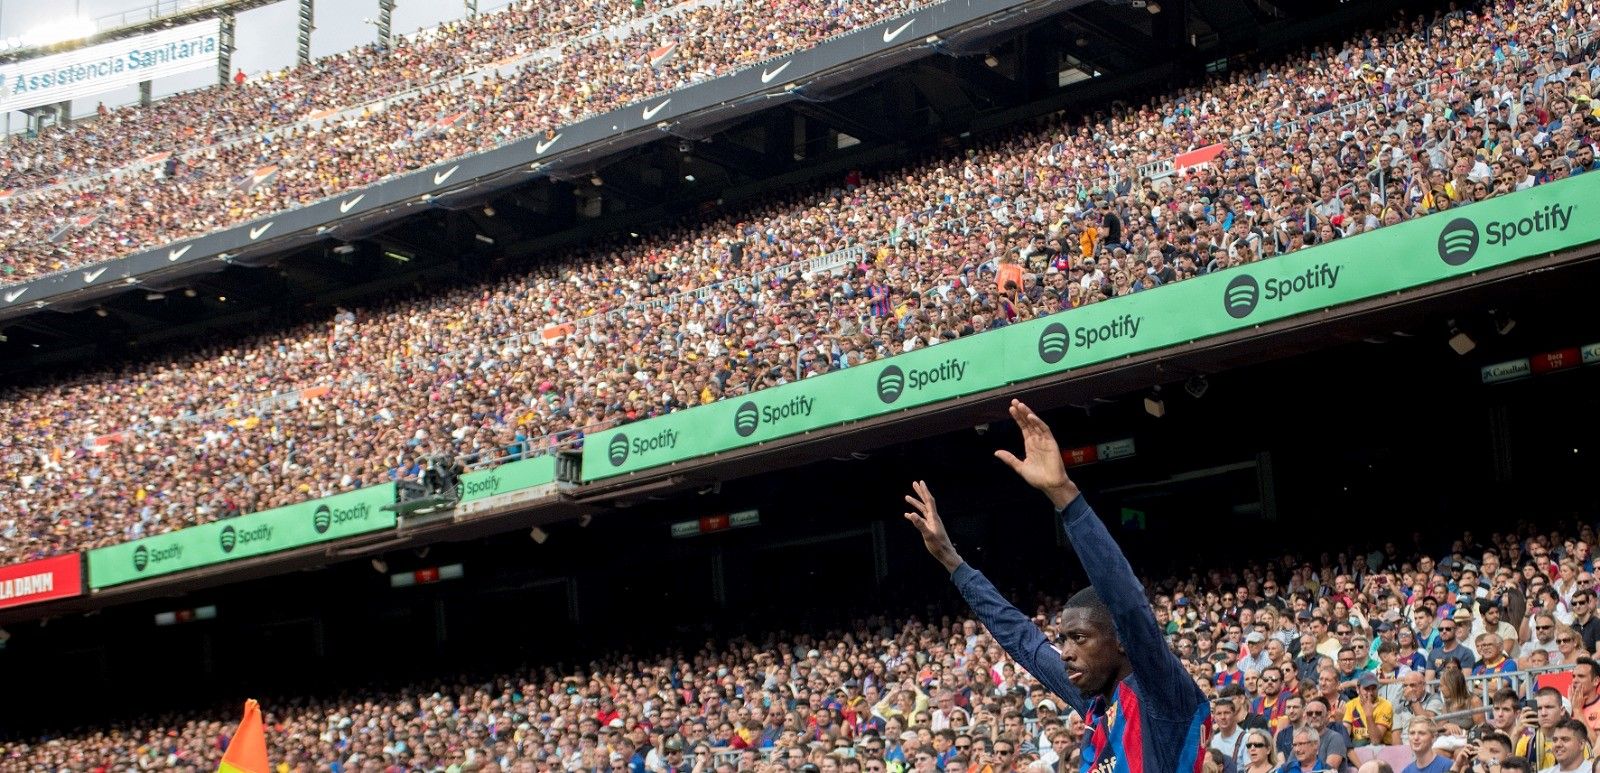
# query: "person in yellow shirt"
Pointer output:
{"type": "Point", "coordinates": [1367, 715]}
{"type": "Point", "coordinates": [1535, 745]}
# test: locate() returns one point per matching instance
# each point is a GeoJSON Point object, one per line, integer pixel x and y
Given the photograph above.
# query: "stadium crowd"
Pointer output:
{"type": "Point", "coordinates": [1456, 109]}
{"type": "Point", "coordinates": [220, 184]}
{"type": "Point", "coordinates": [1363, 648]}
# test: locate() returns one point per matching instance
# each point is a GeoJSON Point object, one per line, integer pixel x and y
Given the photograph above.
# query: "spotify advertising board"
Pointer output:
{"type": "Point", "coordinates": [940, 372]}
{"type": "Point", "coordinates": [508, 477]}
{"type": "Point", "coordinates": [269, 531]}
{"type": "Point", "coordinates": [1461, 241]}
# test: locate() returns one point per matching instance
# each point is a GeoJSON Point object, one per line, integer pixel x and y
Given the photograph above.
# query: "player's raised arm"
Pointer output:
{"type": "Point", "coordinates": [1115, 588]}
{"type": "Point", "coordinates": [1015, 632]}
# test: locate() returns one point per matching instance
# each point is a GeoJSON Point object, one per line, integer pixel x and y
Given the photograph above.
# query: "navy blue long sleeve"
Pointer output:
{"type": "Point", "coordinates": [1017, 635]}
{"type": "Point", "coordinates": [1155, 720]}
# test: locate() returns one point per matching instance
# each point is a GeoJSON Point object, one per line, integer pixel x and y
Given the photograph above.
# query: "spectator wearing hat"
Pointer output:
{"type": "Point", "coordinates": [672, 757]}
{"type": "Point", "coordinates": [1226, 658]}
{"type": "Point", "coordinates": [1368, 716]}
{"type": "Point", "coordinates": [1253, 657]}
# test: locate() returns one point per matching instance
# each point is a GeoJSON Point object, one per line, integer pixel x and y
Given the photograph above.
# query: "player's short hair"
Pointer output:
{"type": "Point", "coordinates": [1089, 600]}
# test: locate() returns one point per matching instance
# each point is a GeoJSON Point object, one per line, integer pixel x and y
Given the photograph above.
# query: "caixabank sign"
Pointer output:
{"type": "Point", "coordinates": [1412, 254]}
{"type": "Point", "coordinates": [269, 531]}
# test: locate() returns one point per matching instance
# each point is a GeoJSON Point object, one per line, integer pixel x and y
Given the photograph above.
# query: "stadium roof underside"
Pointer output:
{"type": "Point", "coordinates": [928, 81]}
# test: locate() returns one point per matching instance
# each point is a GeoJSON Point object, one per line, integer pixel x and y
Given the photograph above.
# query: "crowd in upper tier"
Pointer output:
{"type": "Point", "coordinates": [1444, 111]}
{"type": "Point", "coordinates": [245, 151]}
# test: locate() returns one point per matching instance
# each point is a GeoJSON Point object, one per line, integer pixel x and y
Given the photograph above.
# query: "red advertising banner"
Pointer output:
{"type": "Point", "coordinates": [1073, 457]}
{"type": "Point", "coordinates": [1204, 155]}
{"type": "Point", "coordinates": [1560, 359]}
{"type": "Point", "coordinates": [43, 580]}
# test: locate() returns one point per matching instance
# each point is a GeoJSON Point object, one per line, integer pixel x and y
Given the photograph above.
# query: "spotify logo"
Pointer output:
{"type": "Point", "coordinates": [322, 519]}
{"type": "Point", "coordinates": [229, 538]}
{"type": "Point", "coordinates": [1053, 343]}
{"type": "Point", "coordinates": [1458, 242]}
{"type": "Point", "coordinates": [891, 382]}
{"type": "Point", "coordinates": [618, 448]}
{"type": "Point", "coordinates": [746, 419]}
{"type": "Point", "coordinates": [1241, 296]}
{"type": "Point", "coordinates": [141, 558]}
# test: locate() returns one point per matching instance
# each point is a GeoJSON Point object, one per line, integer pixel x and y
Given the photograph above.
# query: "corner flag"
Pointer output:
{"type": "Point", "coordinates": [247, 750]}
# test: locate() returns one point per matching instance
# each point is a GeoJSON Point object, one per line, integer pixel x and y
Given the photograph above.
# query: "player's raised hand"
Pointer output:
{"type": "Point", "coordinates": [925, 517]}
{"type": "Point", "coordinates": [1041, 465]}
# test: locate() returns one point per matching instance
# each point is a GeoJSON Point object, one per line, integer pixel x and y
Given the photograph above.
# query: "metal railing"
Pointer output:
{"type": "Point", "coordinates": [1525, 682]}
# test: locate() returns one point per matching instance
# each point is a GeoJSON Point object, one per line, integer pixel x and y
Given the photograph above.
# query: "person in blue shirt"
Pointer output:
{"type": "Point", "coordinates": [1142, 709]}
{"type": "Point", "coordinates": [1420, 735]}
{"type": "Point", "coordinates": [1304, 757]}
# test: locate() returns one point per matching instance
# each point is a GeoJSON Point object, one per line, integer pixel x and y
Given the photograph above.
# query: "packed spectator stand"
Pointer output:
{"type": "Point", "coordinates": [1351, 648]}
{"type": "Point", "coordinates": [1430, 114]}
{"type": "Point", "coordinates": [78, 195]}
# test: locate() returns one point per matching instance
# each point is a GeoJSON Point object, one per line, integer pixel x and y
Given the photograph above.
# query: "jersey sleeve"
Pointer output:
{"type": "Point", "coordinates": [1171, 689]}
{"type": "Point", "coordinates": [1017, 635]}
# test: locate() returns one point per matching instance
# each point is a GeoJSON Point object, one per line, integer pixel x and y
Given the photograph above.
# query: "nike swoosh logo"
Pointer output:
{"type": "Point", "coordinates": [650, 112]}
{"type": "Point", "coordinates": [542, 146]}
{"type": "Point", "coordinates": [890, 35]}
{"type": "Point", "coordinates": [90, 276]}
{"type": "Point", "coordinates": [344, 206]}
{"type": "Point", "coordinates": [766, 77]}
{"type": "Point", "coordinates": [255, 233]}
{"type": "Point", "coordinates": [175, 254]}
{"type": "Point", "coordinates": [15, 294]}
{"type": "Point", "coordinates": [440, 177]}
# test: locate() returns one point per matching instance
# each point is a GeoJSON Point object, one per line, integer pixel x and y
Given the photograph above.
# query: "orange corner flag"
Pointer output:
{"type": "Point", "coordinates": [247, 750]}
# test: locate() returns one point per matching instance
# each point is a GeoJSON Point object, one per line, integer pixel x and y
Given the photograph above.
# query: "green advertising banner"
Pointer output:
{"type": "Point", "coordinates": [269, 531]}
{"type": "Point", "coordinates": [1419, 252]}
{"type": "Point", "coordinates": [525, 473]}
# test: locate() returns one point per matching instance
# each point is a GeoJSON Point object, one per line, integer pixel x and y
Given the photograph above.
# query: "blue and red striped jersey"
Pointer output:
{"type": "Point", "coordinates": [1154, 721]}
{"type": "Point", "coordinates": [1232, 676]}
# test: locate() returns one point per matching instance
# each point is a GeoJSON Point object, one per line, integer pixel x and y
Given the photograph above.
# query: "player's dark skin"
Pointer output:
{"type": "Point", "coordinates": [1089, 647]}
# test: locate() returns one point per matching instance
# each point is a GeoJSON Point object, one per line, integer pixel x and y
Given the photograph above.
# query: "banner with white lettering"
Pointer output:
{"type": "Point", "coordinates": [97, 69]}
{"type": "Point", "coordinates": [34, 581]}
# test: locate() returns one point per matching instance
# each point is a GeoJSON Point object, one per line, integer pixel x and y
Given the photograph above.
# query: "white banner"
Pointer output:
{"type": "Point", "coordinates": [108, 66]}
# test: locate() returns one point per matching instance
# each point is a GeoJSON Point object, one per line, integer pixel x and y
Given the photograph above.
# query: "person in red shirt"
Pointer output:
{"type": "Point", "coordinates": [608, 711]}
